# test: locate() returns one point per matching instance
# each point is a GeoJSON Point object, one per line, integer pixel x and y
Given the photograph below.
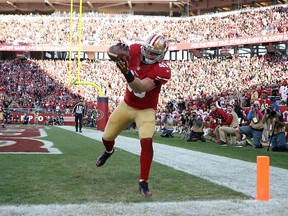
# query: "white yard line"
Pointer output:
{"type": "Point", "coordinates": [235, 174]}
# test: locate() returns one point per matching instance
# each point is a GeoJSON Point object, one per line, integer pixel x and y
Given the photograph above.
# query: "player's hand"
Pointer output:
{"type": "Point", "coordinates": [122, 65]}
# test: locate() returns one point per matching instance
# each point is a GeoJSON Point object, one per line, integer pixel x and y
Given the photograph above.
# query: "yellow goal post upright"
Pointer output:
{"type": "Point", "coordinates": [102, 101]}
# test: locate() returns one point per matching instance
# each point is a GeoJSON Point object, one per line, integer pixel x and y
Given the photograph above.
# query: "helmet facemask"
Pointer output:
{"type": "Point", "coordinates": [154, 49]}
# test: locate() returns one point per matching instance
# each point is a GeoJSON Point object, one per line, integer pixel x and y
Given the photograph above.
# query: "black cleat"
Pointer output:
{"type": "Point", "coordinates": [102, 158]}
{"type": "Point", "coordinates": [144, 190]}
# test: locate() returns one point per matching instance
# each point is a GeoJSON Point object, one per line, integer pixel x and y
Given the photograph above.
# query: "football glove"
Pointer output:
{"type": "Point", "coordinates": [122, 65]}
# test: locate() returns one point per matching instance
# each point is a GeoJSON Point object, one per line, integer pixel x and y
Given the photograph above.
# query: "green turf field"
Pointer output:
{"type": "Point", "coordinates": [72, 177]}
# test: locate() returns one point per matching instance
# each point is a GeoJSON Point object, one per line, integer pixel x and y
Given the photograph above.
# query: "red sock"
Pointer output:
{"type": "Point", "coordinates": [109, 145]}
{"type": "Point", "coordinates": [146, 157]}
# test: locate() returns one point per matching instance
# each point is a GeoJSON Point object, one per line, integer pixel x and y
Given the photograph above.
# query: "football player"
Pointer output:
{"type": "Point", "coordinates": [145, 74]}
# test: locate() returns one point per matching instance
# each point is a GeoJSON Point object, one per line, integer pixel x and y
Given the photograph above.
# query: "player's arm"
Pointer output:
{"type": "Point", "coordinates": [145, 85]}
{"type": "Point", "coordinates": [137, 85]}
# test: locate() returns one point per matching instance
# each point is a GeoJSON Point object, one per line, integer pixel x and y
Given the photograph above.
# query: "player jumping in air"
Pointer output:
{"type": "Point", "coordinates": [145, 74]}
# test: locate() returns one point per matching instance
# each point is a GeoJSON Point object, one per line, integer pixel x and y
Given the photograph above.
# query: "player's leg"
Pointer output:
{"type": "Point", "coordinates": [76, 122]}
{"type": "Point", "coordinates": [122, 116]}
{"type": "Point", "coordinates": [145, 121]}
{"type": "Point", "coordinates": [80, 123]}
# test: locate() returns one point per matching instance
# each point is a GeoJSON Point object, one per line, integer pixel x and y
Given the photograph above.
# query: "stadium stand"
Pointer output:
{"type": "Point", "coordinates": [42, 83]}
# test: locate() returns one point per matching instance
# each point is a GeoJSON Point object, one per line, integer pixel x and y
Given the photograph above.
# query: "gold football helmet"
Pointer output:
{"type": "Point", "coordinates": [154, 49]}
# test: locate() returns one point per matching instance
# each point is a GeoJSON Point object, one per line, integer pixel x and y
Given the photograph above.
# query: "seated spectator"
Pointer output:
{"type": "Point", "coordinates": [217, 117]}
{"type": "Point", "coordinates": [196, 128]}
{"type": "Point", "coordinates": [229, 129]}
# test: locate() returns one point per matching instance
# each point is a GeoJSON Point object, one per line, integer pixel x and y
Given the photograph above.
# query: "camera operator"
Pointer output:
{"type": "Point", "coordinates": [276, 129]}
{"type": "Point", "coordinates": [168, 121]}
{"type": "Point", "coordinates": [184, 125]}
{"type": "Point", "coordinates": [196, 128]}
{"type": "Point", "coordinates": [255, 129]}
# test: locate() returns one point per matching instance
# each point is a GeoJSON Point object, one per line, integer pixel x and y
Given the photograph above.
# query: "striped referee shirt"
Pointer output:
{"type": "Point", "coordinates": [79, 109]}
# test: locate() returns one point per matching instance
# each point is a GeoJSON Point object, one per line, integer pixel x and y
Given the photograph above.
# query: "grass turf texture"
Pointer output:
{"type": "Point", "coordinates": [73, 178]}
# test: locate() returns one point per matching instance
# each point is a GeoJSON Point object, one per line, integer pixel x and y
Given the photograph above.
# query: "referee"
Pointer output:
{"type": "Point", "coordinates": [78, 111]}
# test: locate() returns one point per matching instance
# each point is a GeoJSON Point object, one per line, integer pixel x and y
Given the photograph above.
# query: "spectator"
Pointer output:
{"type": "Point", "coordinates": [229, 129]}
{"type": "Point", "coordinates": [247, 101]}
{"type": "Point", "coordinates": [265, 102]}
{"type": "Point", "coordinates": [217, 118]}
{"type": "Point", "coordinates": [283, 91]}
{"type": "Point", "coordinates": [221, 103]}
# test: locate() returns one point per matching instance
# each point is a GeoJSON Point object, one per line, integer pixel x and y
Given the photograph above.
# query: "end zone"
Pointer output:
{"type": "Point", "coordinates": [25, 140]}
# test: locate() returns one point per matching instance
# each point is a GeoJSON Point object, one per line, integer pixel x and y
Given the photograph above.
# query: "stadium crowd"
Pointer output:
{"type": "Point", "coordinates": [44, 83]}
{"type": "Point", "coordinates": [195, 84]}
{"type": "Point", "coordinates": [100, 29]}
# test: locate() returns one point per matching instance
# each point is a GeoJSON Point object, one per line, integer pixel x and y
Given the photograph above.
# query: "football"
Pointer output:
{"type": "Point", "coordinates": [116, 52]}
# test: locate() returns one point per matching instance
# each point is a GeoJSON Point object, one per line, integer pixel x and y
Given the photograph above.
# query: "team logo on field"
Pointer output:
{"type": "Point", "coordinates": [25, 140]}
